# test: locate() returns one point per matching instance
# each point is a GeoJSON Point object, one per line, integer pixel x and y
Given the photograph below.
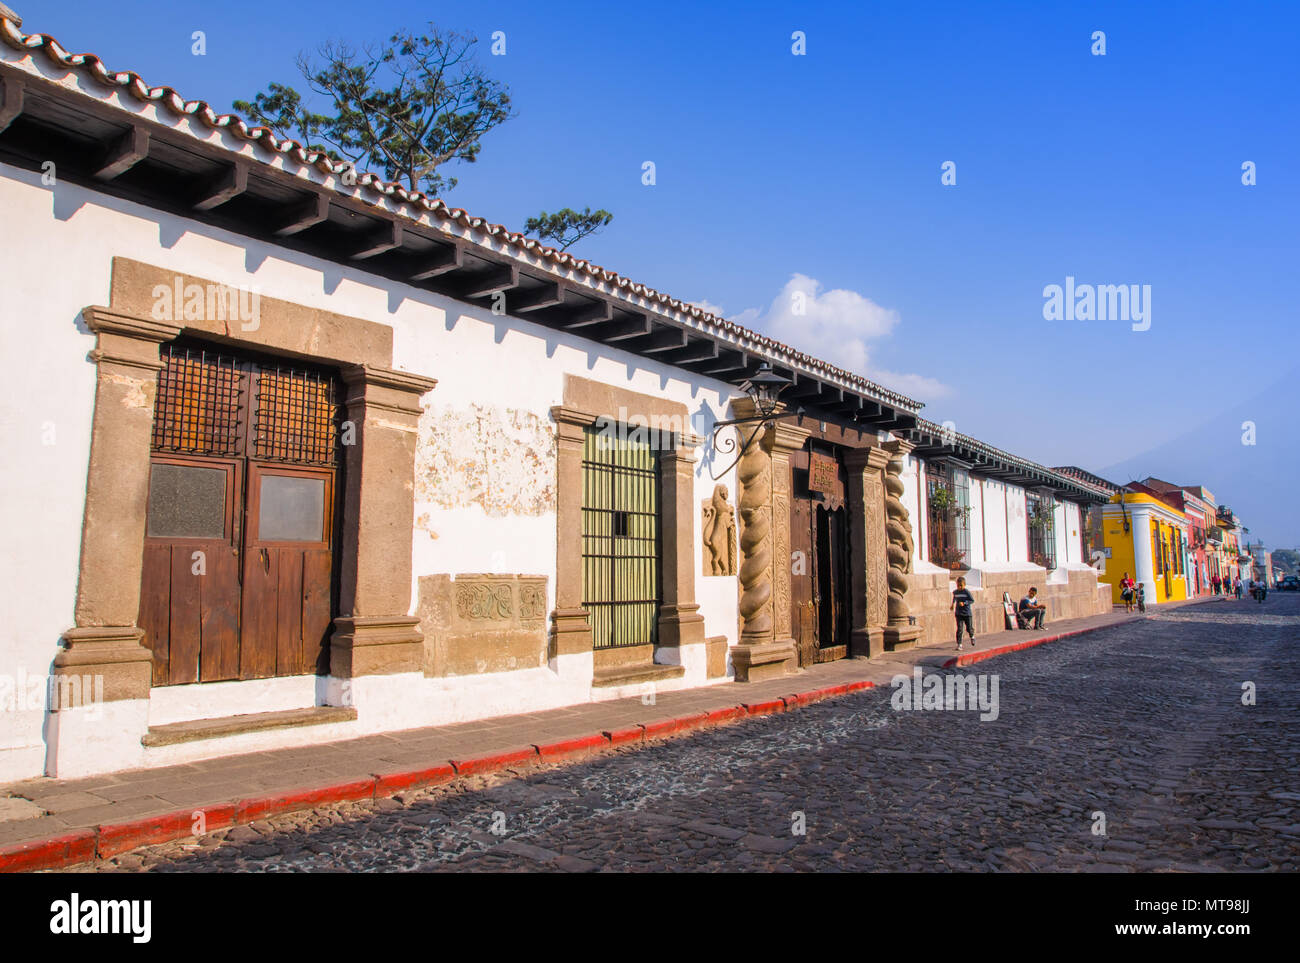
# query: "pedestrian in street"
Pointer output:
{"type": "Point", "coordinates": [1236, 586]}
{"type": "Point", "coordinates": [1215, 583]}
{"type": "Point", "coordinates": [961, 604]}
{"type": "Point", "coordinates": [1126, 592]}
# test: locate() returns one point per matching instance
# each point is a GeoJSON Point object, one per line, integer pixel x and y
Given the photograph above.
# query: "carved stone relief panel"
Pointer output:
{"type": "Point", "coordinates": [477, 623]}
{"type": "Point", "coordinates": [719, 530]}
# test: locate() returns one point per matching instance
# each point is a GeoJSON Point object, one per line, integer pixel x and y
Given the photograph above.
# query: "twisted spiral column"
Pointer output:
{"type": "Point", "coordinates": [898, 530]}
{"type": "Point", "coordinates": [755, 471]}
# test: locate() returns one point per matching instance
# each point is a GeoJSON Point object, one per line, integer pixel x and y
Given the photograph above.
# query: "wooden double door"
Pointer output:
{"type": "Point", "coordinates": [820, 559]}
{"type": "Point", "coordinates": [239, 578]}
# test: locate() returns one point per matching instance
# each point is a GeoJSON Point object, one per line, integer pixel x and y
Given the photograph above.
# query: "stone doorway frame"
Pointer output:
{"type": "Point", "coordinates": [372, 634]}
{"type": "Point", "coordinates": [585, 403]}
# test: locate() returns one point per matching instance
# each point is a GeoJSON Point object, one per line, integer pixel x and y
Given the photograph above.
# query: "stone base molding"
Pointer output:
{"type": "Point", "coordinates": [755, 662]}
{"type": "Point", "coordinates": [716, 648]}
{"type": "Point", "coordinates": [112, 653]}
{"type": "Point", "coordinates": [376, 645]}
{"type": "Point", "coordinates": [867, 643]}
{"type": "Point", "coordinates": [681, 624]}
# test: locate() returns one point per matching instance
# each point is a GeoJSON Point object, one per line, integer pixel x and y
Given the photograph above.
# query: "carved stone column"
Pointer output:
{"type": "Point", "coordinates": [570, 631]}
{"type": "Point", "coordinates": [106, 641]}
{"type": "Point", "coordinates": [680, 621]}
{"type": "Point", "coordinates": [870, 586]}
{"type": "Point", "coordinates": [766, 646]}
{"type": "Point", "coordinates": [899, 632]}
{"type": "Point", "coordinates": [373, 635]}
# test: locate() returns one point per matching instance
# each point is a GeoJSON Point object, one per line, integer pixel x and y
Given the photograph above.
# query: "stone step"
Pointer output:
{"type": "Point", "coordinates": [195, 729]}
{"type": "Point", "coordinates": [635, 674]}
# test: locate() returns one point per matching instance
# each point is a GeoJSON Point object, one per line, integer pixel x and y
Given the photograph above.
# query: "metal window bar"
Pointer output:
{"type": "Point", "coordinates": [620, 540]}
{"type": "Point", "coordinates": [197, 409]}
{"type": "Point", "coordinates": [945, 529]}
{"type": "Point", "coordinates": [296, 416]}
{"type": "Point", "coordinates": [1042, 538]}
{"type": "Point", "coordinates": [201, 401]}
{"type": "Point", "coordinates": [961, 520]}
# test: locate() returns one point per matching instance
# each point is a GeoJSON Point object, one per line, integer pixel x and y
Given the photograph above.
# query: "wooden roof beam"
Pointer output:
{"type": "Point", "coordinates": [730, 360]}
{"type": "Point", "coordinates": [123, 154]}
{"type": "Point", "coordinates": [501, 277]}
{"type": "Point", "coordinates": [300, 215]}
{"type": "Point", "coordinates": [230, 182]}
{"type": "Point", "coordinates": [11, 100]}
{"type": "Point", "coordinates": [601, 312]}
{"type": "Point", "coordinates": [384, 239]}
{"type": "Point", "coordinates": [549, 295]}
{"type": "Point", "coordinates": [450, 257]}
{"type": "Point", "coordinates": [697, 352]}
{"type": "Point", "coordinates": [665, 339]}
{"type": "Point", "coordinates": [635, 327]}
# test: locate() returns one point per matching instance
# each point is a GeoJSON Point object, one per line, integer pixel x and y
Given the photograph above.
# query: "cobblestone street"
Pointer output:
{"type": "Point", "coordinates": [1143, 723]}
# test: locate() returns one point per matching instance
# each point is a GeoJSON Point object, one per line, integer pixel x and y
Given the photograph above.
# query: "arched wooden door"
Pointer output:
{"type": "Point", "coordinates": [238, 578]}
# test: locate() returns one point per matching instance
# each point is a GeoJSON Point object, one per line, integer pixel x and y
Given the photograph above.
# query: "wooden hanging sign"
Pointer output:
{"type": "Point", "coordinates": [823, 473]}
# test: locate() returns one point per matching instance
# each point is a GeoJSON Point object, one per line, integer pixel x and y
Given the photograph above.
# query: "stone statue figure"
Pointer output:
{"type": "Point", "coordinates": [719, 534]}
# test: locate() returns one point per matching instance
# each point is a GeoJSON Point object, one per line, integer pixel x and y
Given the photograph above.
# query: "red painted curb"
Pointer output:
{"type": "Point", "coordinates": [719, 717]}
{"type": "Point", "coordinates": [387, 784]}
{"type": "Point", "coordinates": [621, 737]}
{"type": "Point", "coordinates": [582, 745]}
{"type": "Point", "coordinates": [247, 810]}
{"type": "Point", "coordinates": [764, 708]}
{"type": "Point", "coordinates": [668, 727]}
{"type": "Point", "coordinates": [981, 655]}
{"type": "Point", "coordinates": [52, 853]}
{"type": "Point", "coordinates": [492, 762]}
{"type": "Point", "coordinates": [112, 840]}
{"type": "Point", "coordinates": [124, 837]}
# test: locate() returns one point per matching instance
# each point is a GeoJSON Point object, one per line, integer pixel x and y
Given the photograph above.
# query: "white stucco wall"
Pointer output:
{"type": "Point", "coordinates": [502, 373]}
{"type": "Point", "coordinates": [995, 521]}
{"type": "Point", "coordinates": [910, 477]}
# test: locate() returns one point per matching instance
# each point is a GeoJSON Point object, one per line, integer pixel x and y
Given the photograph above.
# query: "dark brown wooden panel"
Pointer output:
{"type": "Point", "coordinates": [288, 604]}
{"type": "Point", "coordinates": [258, 614]}
{"type": "Point", "coordinates": [185, 617]}
{"type": "Point", "coordinates": [219, 656]}
{"type": "Point", "coordinates": [155, 603]}
{"type": "Point", "coordinates": [317, 608]}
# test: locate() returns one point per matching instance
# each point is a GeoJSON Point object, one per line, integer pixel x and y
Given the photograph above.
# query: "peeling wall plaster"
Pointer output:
{"type": "Point", "coordinates": [501, 459]}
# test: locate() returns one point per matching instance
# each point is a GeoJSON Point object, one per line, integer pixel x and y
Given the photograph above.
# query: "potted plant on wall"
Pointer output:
{"type": "Point", "coordinates": [945, 507]}
{"type": "Point", "coordinates": [1040, 524]}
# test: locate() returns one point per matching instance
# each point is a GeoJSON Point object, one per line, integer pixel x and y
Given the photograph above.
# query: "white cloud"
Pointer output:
{"type": "Point", "coordinates": [709, 306]}
{"type": "Point", "coordinates": [836, 326]}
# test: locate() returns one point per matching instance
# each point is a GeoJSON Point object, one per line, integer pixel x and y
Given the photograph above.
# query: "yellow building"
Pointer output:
{"type": "Point", "coordinates": [1147, 539]}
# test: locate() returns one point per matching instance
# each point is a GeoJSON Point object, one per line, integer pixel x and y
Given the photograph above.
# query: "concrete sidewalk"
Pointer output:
{"type": "Point", "coordinates": [47, 823]}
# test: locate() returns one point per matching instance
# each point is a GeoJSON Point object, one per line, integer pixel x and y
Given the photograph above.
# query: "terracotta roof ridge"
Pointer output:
{"type": "Point", "coordinates": [267, 138]}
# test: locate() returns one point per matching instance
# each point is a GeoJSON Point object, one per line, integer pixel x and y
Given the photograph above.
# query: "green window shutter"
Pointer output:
{"type": "Point", "coordinates": [620, 537]}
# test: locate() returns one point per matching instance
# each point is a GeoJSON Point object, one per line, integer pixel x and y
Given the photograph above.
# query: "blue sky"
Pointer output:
{"type": "Point", "coordinates": [822, 172]}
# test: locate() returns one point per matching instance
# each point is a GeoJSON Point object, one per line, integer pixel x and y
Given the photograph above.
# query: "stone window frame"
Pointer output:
{"type": "Point", "coordinates": [587, 402]}
{"type": "Point", "coordinates": [373, 634]}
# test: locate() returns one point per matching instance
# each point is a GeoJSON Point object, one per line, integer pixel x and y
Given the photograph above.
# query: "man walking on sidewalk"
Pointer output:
{"type": "Point", "coordinates": [961, 603]}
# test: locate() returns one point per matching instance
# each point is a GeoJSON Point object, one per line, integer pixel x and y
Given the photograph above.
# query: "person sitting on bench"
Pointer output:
{"type": "Point", "coordinates": [1031, 612]}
